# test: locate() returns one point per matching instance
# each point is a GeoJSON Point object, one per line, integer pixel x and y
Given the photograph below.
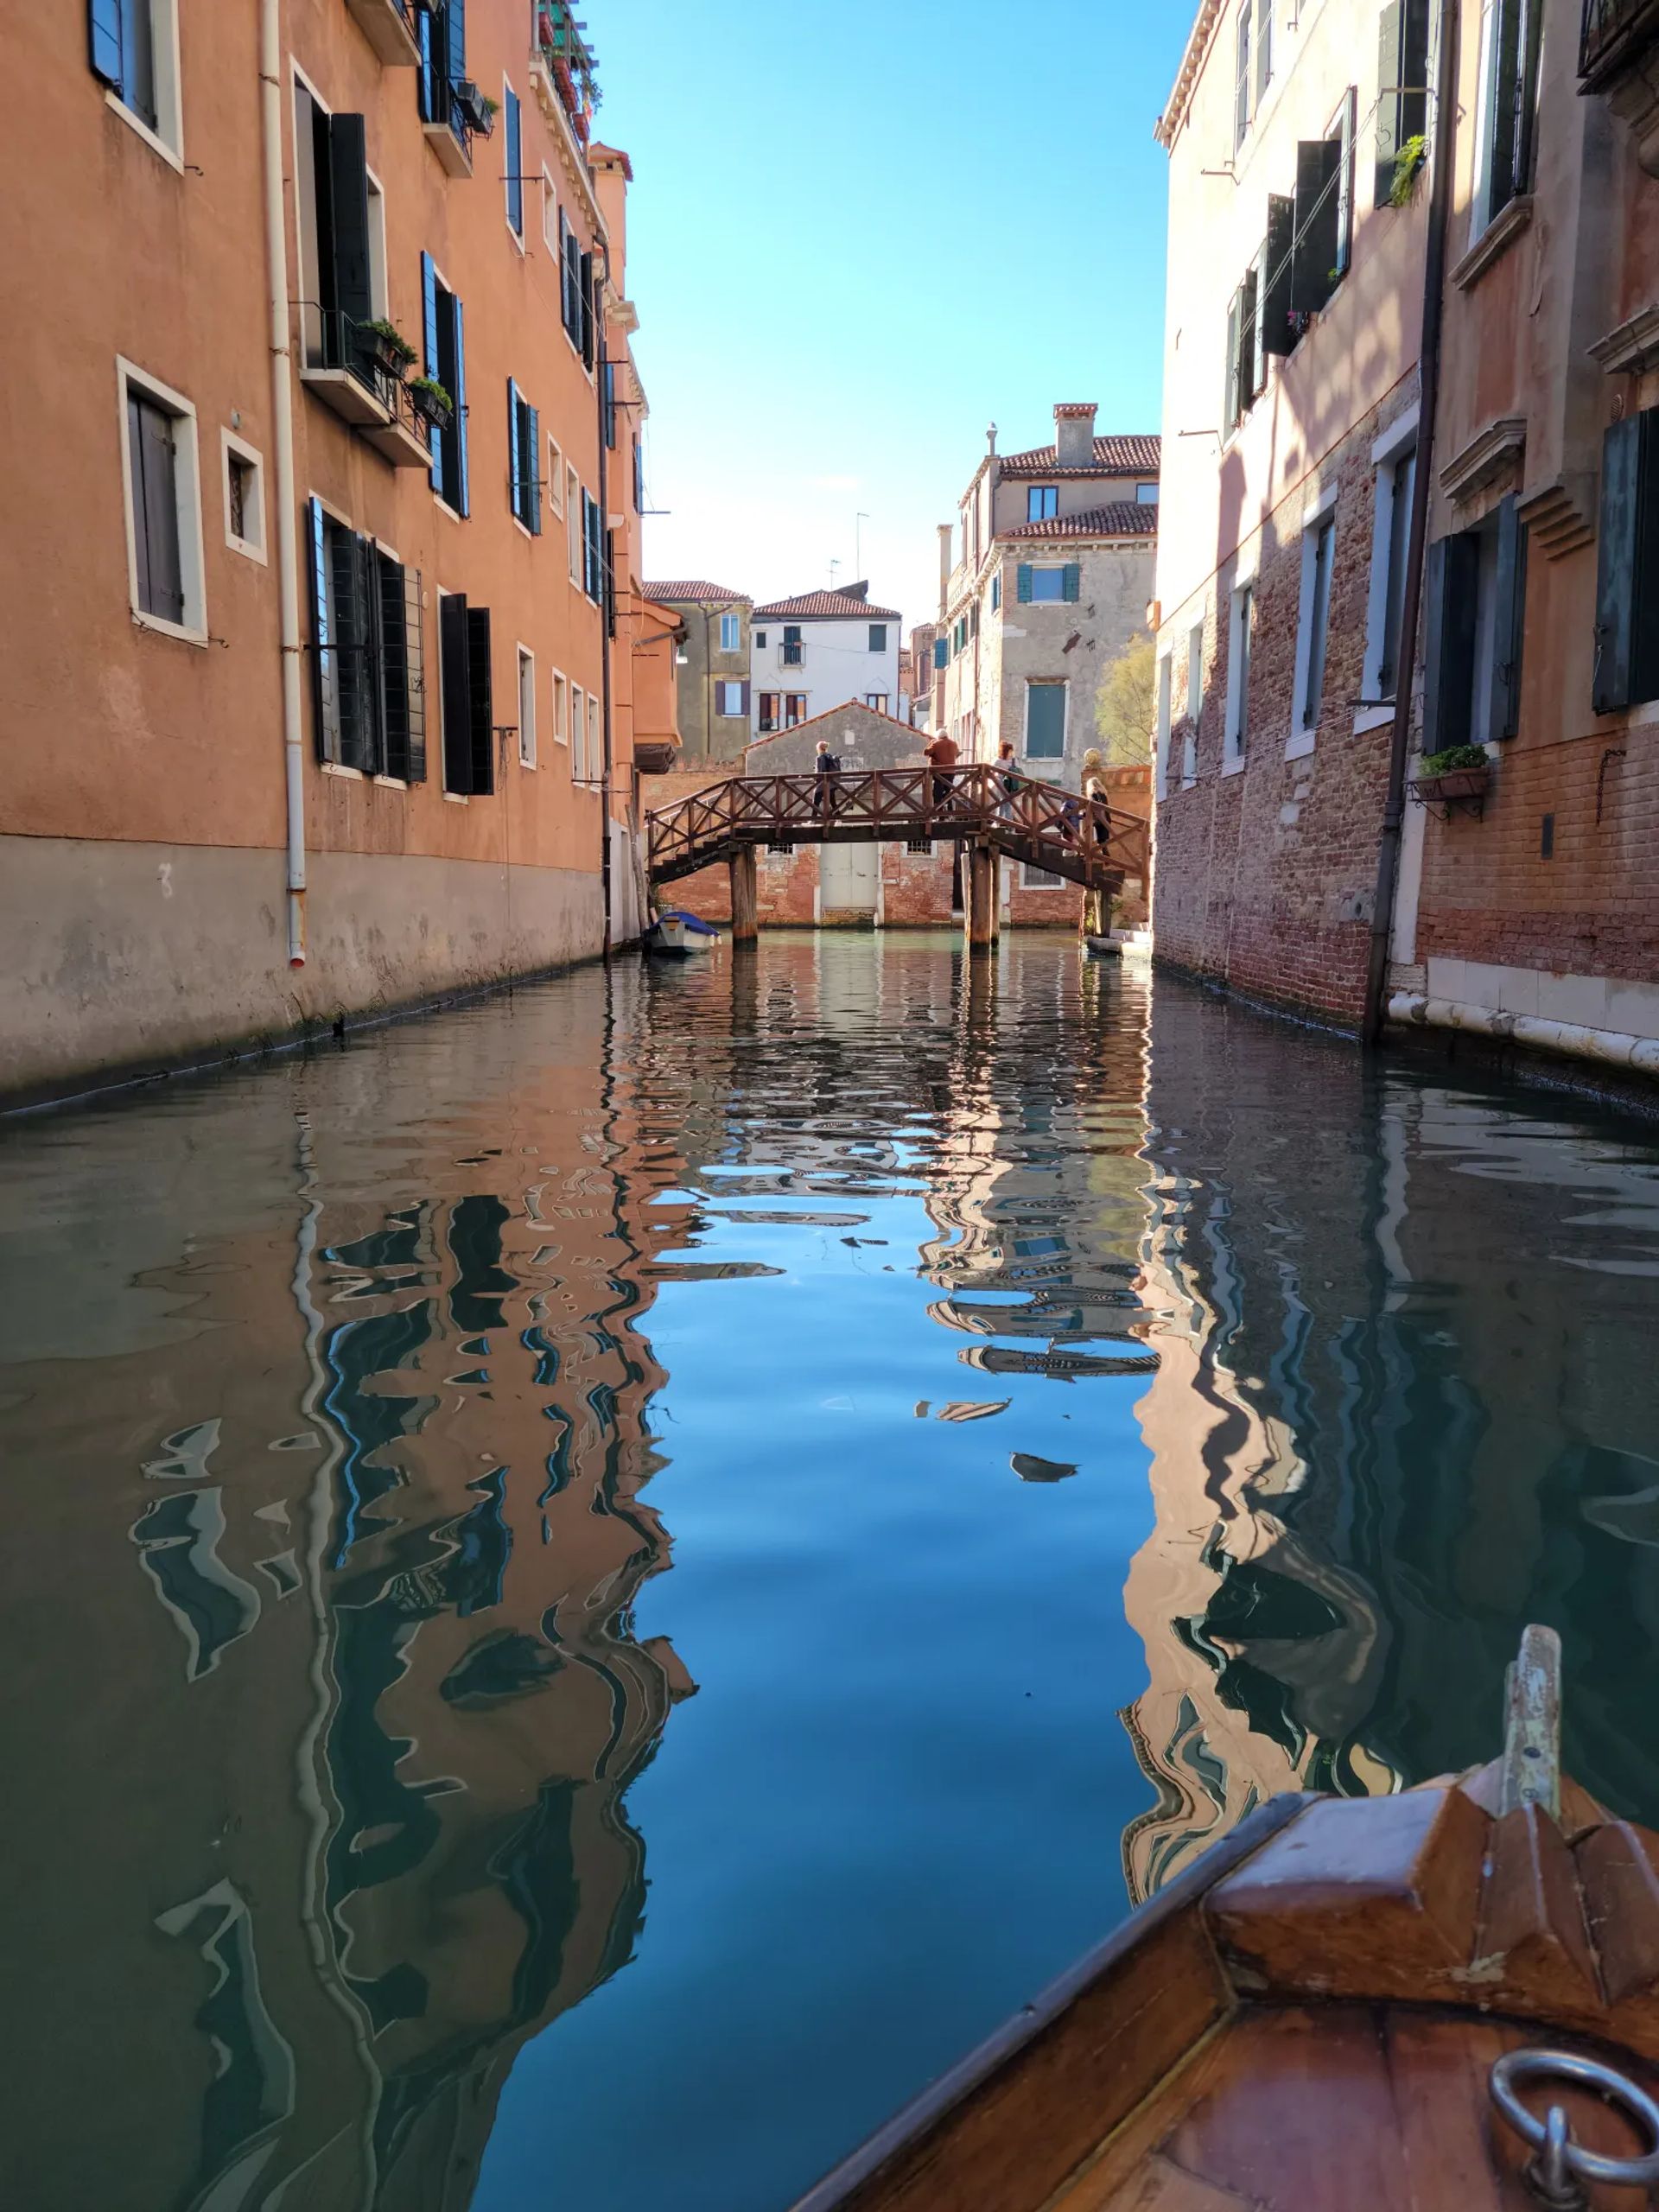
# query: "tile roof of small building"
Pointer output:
{"type": "Point", "coordinates": [831, 715]}
{"type": "Point", "coordinates": [1117, 519]}
{"type": "Point", "coordinates": [837, 606]}
{"type": "Point", "coordinates": [1132, 454]}
{"type": "Point", "coordinates": [692, 592]}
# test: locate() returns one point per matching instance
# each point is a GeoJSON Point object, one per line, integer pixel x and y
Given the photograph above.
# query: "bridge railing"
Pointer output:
{"type": "Point", "coordinates": [879, 803]}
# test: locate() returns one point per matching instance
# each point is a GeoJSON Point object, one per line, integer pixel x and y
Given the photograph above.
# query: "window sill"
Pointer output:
{"type": "Point", "coordinates": [184, 633]}
{"type": "Point", "coordinates": [392, 783]}
{"type": "Point", "coordinates": [1300, 743]}
{"type": "Point", "coordinates": [1370, 718]}
{"type": "Point", "coordinates": [518, 237]}
{"type": "Point", "coordinates": [248, 549]}
{"type": "Point", "coordinates": [529, 765]}
{"type": "Point", "coordinates": [1235, 763]}
{"type": "Point", "coordinates": [524, 529]}
{"type": "Point", "coordinates": [339, 768]}
{"type": "Point", "coordinates": [444, 507]}
{"type": "Point", "coordinates": [1494, 241]}
{"type": "Point", "coordinates": [151, 138]}
{"type": "Point", "coordinates": [456, 798]}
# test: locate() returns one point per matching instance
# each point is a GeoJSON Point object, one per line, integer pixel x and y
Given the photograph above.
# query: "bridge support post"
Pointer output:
{"type": "Point", "coordinates": [745, 903]}
{"type": "Point", "coordinates": [982, 896]}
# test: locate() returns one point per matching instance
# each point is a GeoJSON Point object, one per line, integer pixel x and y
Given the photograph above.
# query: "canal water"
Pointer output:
{"type": "Point", "coordinates": [598, 1584]}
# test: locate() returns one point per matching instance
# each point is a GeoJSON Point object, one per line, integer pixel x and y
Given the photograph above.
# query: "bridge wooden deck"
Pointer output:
{"type": "Point", "coordinates": [1083, 840]}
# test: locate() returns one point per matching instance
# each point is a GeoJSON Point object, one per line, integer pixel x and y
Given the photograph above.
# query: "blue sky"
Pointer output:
{"type": "Point", "coordinates": [859, 232]}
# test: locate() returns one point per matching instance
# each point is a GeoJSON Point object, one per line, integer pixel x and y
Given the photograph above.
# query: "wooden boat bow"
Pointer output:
{"type": "Point", "coordinates": [1310, 2019]}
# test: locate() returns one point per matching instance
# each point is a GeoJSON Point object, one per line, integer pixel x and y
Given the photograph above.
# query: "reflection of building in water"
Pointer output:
{"type": "Point", "coordinates": [1378, 1442]}
{"type": "Point", "coordinates": [382, 1648]}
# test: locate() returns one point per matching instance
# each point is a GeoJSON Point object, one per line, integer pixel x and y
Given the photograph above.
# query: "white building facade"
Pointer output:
{"type": "Point", "coordinates": [817, 650]}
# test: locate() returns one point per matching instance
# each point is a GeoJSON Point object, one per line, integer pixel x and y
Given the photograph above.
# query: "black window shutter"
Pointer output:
{"type": "Point", "coordinates": [325, 667]}
{"type": "Point", "coordinates": [1318, 222]}
{"type": "Point", "coordinates": [515, 472]}
{"type": "Point", "coordinates": [1450, 577]}
{"type": "Point", "coordinates": [1509, 625]}
{"type": "Point", "coordinates": [105, 43]}
{"type": "Point", "coordinates": [530, 446]}
{"type": "Point", "coordinates": [1506, 106]}
{"type": "Point", "coordinates": [348, 188]}
{"type": "Point", "coordinates": [431, 64]}
{"type": "Point", "coordinates": [1390, 76]}
{"type": "Point", "coordinates": [455, 39]}
{"type": "Point", "coordinates": [1277, 335]}
{"type": "Point", "coordinates": [353, 591]}
{"type": "Point", "coordinates": [155, 509]}
{"type": "Point", "coordinates": [1248, 298]}
{"type": "Point", "coordinates": [458, 392]}
{"type": "Point", "coordinates": [1627, 566]}
{"type": "Point", "coordinates": [587, 283]}
{"type": "Point", "coordinates": [1233, 400]}
{"type": "Point", "coordinates": [746, 701]}
{"type": "Point", "coordinates": [140, 524]}
{"type": "Point", "coordinates": [481, 702]}
{"type": "Point", "coordinates": [457, 693]}
{"type": "Point", "coordinates": [402, 674]}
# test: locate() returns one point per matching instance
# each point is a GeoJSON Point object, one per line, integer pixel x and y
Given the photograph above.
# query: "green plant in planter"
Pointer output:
{"type": "Point", "coordinates": [387, 341]}
{"type": "Point", "coordinates": [1406, 163]}
{"type": "Point", "coordinates": [431, 399]}
{"type": "Point", "coordinates": [1451, 758]}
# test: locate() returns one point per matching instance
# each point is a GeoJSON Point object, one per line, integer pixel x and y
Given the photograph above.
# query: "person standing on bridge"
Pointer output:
{"type": "Point", "coordinates": [1008, 776]}
{"type": "Point", "coordinates": [826, 766]}
{"type": "Point", "coordinates": [942, 753]}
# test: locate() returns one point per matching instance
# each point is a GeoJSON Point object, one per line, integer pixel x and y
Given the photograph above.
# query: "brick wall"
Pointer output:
{"type": "Point", "coordinates": [1263, 878]}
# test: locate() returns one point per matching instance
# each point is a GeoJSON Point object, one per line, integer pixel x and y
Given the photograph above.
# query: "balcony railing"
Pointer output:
{"type": "Point", "coordinates": [569, 61]}
{"type": "Point", "coordinates": [792, 652]}
{"type": "Point", "coordinates": [344, 366]}
{"type": "Point", "coordinates": [1613, 35]}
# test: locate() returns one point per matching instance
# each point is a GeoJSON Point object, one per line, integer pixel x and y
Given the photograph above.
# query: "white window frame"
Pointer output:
{"type": "Point", "coordinates": [736, 646]}
{"type": "Point", "coordinates": [1050, 880]}
{"type": "Point", "coordinates": [232, 447]}
{"type": "Point", "coordinates": [1240, 652]}
{"type": "Point", "coordinates": [1320, 510]}
{"type": "Point", "coordinates": [1049, 568]}
{"type": "Point", "coordinates": [556, 479]}
{"type": "Point", "coordinates": [560, 697]}
{"type": "Point", "coordinates": [574, 539]}
{"type": "Point", "coordinates": [1388, 450]}
{"type": "Point", "coordinates": [526, 666]}
{"type": "Point", "coordinates": [595, 741]}
{"type": "Point", "coordinates": [1480, 195]}
{"type": "Point", "coordinates": [192, 631]}
{"type": "Point", "coordinates": [724, 687]}
{"type": "Point", "coordinates": [166, 139]}
{"type": "Point", "coordinates": [1160, 753]}
{"type": "Point", "coordinates": [879, 701]}
{"type": "Point", "coordinates": [550, 213]}
{"type": "Point", "coordinates": [1063, 684]}
{"type": "Point", "coordinates": [379, 297]}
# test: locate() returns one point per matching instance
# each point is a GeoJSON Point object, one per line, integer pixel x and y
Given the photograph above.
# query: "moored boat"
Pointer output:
{"type": "Point", "coordinates": [680, 934]}
{"type": "Point", "coordinates": [1445, 2000]}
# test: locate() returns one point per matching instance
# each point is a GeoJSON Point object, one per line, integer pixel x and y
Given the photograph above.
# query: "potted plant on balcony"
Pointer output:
{"type": "Point", "coordinates": [387, 347]}
{"type": "Point", "coordinates": [476, 109]}
{"type": "Point", "coordinates": [1455, 771]}
{"type": "Point", "coordinates": [432, 402]}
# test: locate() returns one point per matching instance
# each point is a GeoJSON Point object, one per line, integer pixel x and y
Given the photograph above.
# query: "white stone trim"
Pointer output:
{"type": "Point", "coordinates": [193, 629]}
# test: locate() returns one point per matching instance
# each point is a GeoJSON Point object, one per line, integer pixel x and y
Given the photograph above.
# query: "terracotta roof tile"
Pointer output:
{"type": "Point", "coordinates": [1117, 519]}
{"type": "Point", "coordinates": [690, 593]}
{"type": "Point", "coordinates": [843, 606]}
{"type": "Point", "coordinates": [1132, 454]}
{"type": "Point", "coordinates": [834, 714]}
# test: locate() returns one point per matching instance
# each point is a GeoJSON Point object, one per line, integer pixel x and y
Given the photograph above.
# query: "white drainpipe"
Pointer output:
{"type": "Point", "coordinates": [1611, 1048]}
{"type": "Point", "coordinates": [282, 404]}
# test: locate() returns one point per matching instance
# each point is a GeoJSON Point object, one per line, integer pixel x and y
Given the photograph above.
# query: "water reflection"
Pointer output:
{"type": "Point", "coordinates": [1081, 1411]}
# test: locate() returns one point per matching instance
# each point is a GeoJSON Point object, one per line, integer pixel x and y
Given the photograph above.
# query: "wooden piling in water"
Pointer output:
{"type": "Point", "coordinates": [982, 895]}
{"type": "Point", "coordinates": [745, 907]}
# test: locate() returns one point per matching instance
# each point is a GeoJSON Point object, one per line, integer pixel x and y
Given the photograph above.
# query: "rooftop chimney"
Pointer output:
{"type": "Point", "coordinates": [1074, 434]}
{"type": "Point", "coordinates": [944, 567]}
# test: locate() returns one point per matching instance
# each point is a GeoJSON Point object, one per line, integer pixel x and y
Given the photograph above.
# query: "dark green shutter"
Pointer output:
{"type": "Point", "coordinates": [515, 477]}
{"type": "Point", "coordinates": [457, 692]}
{"type": "Point", "coordinates": [1071, 581]}
{"type": "Point", "coordinates": [455, 39]}
{"type": "Point", "coordinates": [430, 328]}
{"type": "Point", "coordinates": [103, 42]}
{"type": "Point", "coordinates": [430, 71]}
{"type": "Point", "coordinates": [1319, 224]}
{"type": "Point", "coordinates": [403, 689]}
{"type": "Point", "coordinates": [1506, 101]}
{"type": "Point", "coordinates": [1450, 578]}
{"type": "Point", "coordinates": [349, 192]}
{"type": "Point", "coordinates": [941, 651]}
{"type": "Point", "coordinates": [587, 303]}
{"type": "Point", "coordinates": [1022, 583]}
{"type": "Point", "coordinates": [325, 688]}
{"type": "Point", "coordinates": [1509, 623]}
{"type": "Point", "coordinates": [1277, 335]}
{"type": "Point", "coordinates": [530, 446]}
{"type": "Point", "coordinates": [514, 148]}
{"type": "Point", "coordinates": [1402, 85]}
{"type": "Point", "coordinates": [1248, 293]}
{"type": "Point", "coordinates": [482, 700]}
{"type": "Point", "coordinates": [1627, 566]}
{"type": "Point", "coordinates": [458, 392]}
{"type": "Point", "coordinates": [1232, 403]}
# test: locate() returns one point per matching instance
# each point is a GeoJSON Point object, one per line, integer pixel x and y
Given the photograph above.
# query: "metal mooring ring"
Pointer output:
{"type": "Point", "coordinates": [1563, 2162]}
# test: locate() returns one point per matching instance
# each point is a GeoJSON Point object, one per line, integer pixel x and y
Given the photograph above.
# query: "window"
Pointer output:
{"type": "Point", "coordinates": [1145, 495]}
{"type": "Point", "coordinates": [791, 644]}
{"type": "Point", "coordinates": [575, 539]}
{"type": "Point", "coordinates": [639, 475]}
{"type": "Point", "coordinates": [1241, 645]}
{"type": "Point", "coordinates": [578, 734]}
{"type": "Point", "coordinates": [1474, 603]}
{"type": "Point", "coordinates": [468, 704]}
{"type": "Point", "coordinates": [575, 291]}
{"type": "Point", "coordinates": [1046, 720]}
{"type": "Point", "coordinates": [549, 211]}
{"type": "Point", "coordinates": [1341, 131]}
{"type": "Point", "coordinates": [879, 700]}
{"type": "Point", "coordinates": [512, 150]}
{"type": "Point", "coordinates": [523, 450]}
{"type": "Point", "coordinates": [1194, 702]}
{"type": "Point", "coordinates": [134, 50]}
{"type": "Point", "coordinates": [445, 363]}
{"type": "Point", "coordinates": [245, 496]}
{"type": "Point", "coordinates": [561, 710]}
{"type": "Point", "coordinates": [556, 478]}
{"type": "Point", "coordinates": [608, 370]}
{"type": "Point", "coordinates": [771, 710]}
{"type": "Point", "coordinates": [1627, 566]}
{"type": "Point", "coordinates": [730, 633]}
{"type": "Point", "coordinates": [1241, 87]}
{"type": "Point", "coordinates": [760, 638]}
{"type": "Point", "coordinates": [1160, 753]}
{"type": "Point", "coordinates": [592, 549]}
{"type": "Point", "coordinates": [794, 709]}
{"type": "Point", "coordinates": [164, 552]}
{"type": "Point", "coordinates": [1318, 252]}
{"type": "Point", "coordinates": [732, 699]}
{"type": "Point", "coordinates": [1244, 363]}
{"type": "Point", "coordinates": [595, 741]}
{"type": "Point", "coordinates": [997, 593]}
{"type": "Point", "coordinates": [1263, 48]}
{"type": "Point", "coordinates": [526, 708]}
{"type": "Point", "coordinates": [442, 30]}
{"type": "Point", "coordinates": [878, 636]}
{"type": "Point", "coordinates": [1313, 627]}
{"type": "Point", "coordinates": [367, 657]}
{"type": "Point", "coordinates": [1033, 877]}
{"type": "Point", "coordinates": [1509, 97]}
{"type": "Point", "coordinates": [1395, 484]}
{"type": "Point", "coordinates": [1042, 502]}
{"type": "Point", "coordinates": [1046, 586]}
{"type": "Point", "coordinates": [342, 239]}
{"type": "Point", "coordinates": [1401, 87]}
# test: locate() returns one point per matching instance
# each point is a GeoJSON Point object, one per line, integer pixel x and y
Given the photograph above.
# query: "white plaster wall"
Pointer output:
{"type": "Point", "coordinates": [836, 664]}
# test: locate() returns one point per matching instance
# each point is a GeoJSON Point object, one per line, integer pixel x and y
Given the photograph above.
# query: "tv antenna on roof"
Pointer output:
{"type": "Point", "coordinates": [834, 565]}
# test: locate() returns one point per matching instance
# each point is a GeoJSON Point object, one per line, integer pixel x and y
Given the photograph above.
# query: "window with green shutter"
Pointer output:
{"type": "Point", "coordinates": [1046, 720]}
{"type": "Point", "coordinates": [524, 459]}
{"type": "Point", "coordinates": [1626, 668]}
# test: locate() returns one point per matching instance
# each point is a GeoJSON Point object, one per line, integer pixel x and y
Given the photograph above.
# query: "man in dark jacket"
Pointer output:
{"type": "Point", "coordinates": [943, 753]}
{"type": "Point", "coordinates": [826, 764]}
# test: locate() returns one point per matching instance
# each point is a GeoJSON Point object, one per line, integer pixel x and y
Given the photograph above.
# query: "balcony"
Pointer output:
{"type": "Point", "coordinates": [1618, 54]}
{"type": "Point", "coordinates": [353, 383]}
{"type": "Point", "coordinates": [790, 654]}
{"type": "Point", "coordinates": [564, 68]}
{"type": "Point", "coordinates": [466, 115]}
{"type": "Point", "coordinates": [389, 26]}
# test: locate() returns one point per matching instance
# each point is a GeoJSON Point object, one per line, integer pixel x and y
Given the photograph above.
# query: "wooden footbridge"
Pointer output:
{"type": "Point", "coordinates": [1083, 840]}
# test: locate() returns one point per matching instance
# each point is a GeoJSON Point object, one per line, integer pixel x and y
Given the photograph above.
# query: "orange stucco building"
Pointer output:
{"type": "Point", "coordinates": [315, 707]}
